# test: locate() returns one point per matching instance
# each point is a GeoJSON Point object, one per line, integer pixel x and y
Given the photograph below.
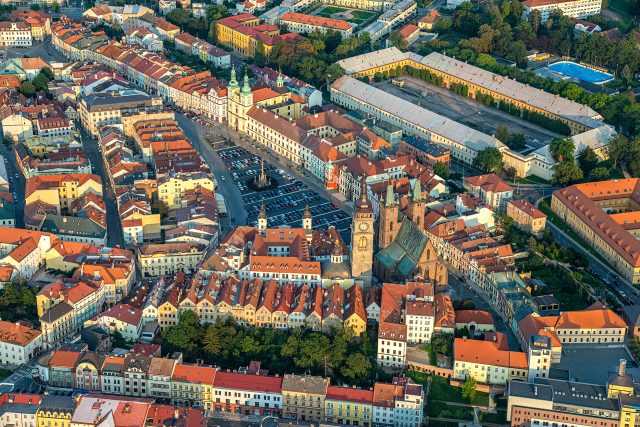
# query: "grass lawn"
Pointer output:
{"type": "Point", "coordinates": [451, 37]}
{"type": "Point", "coordinates": [437, 423]}
{"type": "Point", "coordinates": [545, 207]}
{"type": "Point", "coordinates": [443, 410]}
{"type": "Point", "coordinates": [358, 17]}
{"type": "Point", "coordinates": [498, 418]}
{"type": "Point", "coordinates": [363, 14]}
{"type": "Point", "coordinates": [567, 300]}
{"type": "Point", "coordinates": [443, 391]}
{"type": "Point", "coordinates": [533, 179]}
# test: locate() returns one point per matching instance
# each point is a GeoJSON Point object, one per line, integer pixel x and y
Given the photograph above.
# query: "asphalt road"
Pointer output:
{"type": "Point", "coordinates": [42, 50]}
{"type": "Point", "coordinates": [115, 236]}
{"type": "Point", "coordinates": [460, 290]}
{"type": "Point", "coordinates": [466, 111]}
{"type": "Point", "coordinates": [16, 185]}
{"type": "Point", "coordinates": [597, 266]}
{"type": "Point", "coordinates": [196, 134]}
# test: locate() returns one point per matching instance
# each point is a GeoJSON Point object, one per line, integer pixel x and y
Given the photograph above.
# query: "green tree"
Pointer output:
{"type": "Point", "coordinates": [118, 340]}
{"type": "Point", "coordinates": [599, 174]}
{"type": "Point", "coordinates": [186, 336]}
{"type": "Point", "coordinates": [469, 389]}
{"type": "Point", "coordinates": [160, 207]}
{"type": "Point", "coordinates": [502, 133]}
{"type": "Point", "coordinates": [213, 32]}
{"type": "Point", "coordinates": [213, 340]}
{"type": "Point", "coordinates": [179, 16]}
{"type": "Point", "coordinates": [616, 149]}
{"type": "Point", "coordinates": [47, 73]}
{"type": "Point", "coordinates": [441, 169]}
{"type": "Point", "coordinates": [356, 367]}
{"type": "Point", "coordinates": [565, 173]}
{"type": "Point", "coordinates": [27, 89]}
{"type": "Point", "coordinates": [562, 149]}
{"type": "Point", "coordinates": [216, 11]}
{"type": "Point", "coordinates": [55, 7]}
{"type": "Point", "coordinates": [489, 160]}
{"type": "Point", "coordinates": [587, 159]}
{"type": "Point", "coordinates": [442, 25]}
{"type": "Point", "coordinates": [398, 41]}
{"type": "Point", "coordinates": [40, 82]}
{"type": "Point", "coordinates": [260, 57]}
{"type": "Point", "coordinates": [517, 141]}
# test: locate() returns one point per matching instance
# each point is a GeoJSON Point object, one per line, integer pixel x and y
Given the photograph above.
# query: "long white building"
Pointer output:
{"type": "Point", "coordinates": [463, 141]}
{"type": "Point", "coordinates": [575, 9]}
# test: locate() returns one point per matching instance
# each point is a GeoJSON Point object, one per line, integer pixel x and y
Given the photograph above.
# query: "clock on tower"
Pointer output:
{"type": "Point", "coordinates": [362, 239]}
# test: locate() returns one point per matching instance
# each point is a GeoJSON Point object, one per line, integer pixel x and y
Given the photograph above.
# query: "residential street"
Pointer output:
{"type": "Point", "coordinates": [17, 186]}
{"type": "Point", "coordinates": [115, 236]}
{"type": "Point", "coordinates": [196, 134]}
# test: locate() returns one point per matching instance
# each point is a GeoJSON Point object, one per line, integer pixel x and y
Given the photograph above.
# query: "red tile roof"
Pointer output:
{"type": "Point", "coordinates": [260, 383]}
{"type": "Point", "coordinates": [194, 373]}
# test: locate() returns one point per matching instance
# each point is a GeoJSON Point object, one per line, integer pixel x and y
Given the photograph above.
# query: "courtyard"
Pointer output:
{"type": "Point", "coordinates": [354, 16]}
{"type": "Point", "coordinates": [286, 200]}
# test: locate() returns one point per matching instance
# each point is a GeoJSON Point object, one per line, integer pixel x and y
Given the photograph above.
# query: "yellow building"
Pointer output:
{"type": "Point", "coordinates": [243, 32]}
{"type": "Point", "coordinates": [168, 313]}
{"type": "Point", "coordinates": [349, 406]}
{"type": "Point", "coordinates": [61, 190]}
{"type": "Point", "coordinates": [191, 385]}
{"type": "Point", "coordinates": [169, 258]}
{"type": "Point", "coordinates": [55, 411]}
{"type": "Point", "coordinates": [526, 216]}
{"type": "Point", "coordinates": [303, 397]}
{"type": "Point", "coordinates": [171, 188]}
{"type": "Point", "coordinates": [606, 215]}
{"type": "Point", "coordinates": [123, 107]}
{"type": "Point", "coordinates": [485, 362]}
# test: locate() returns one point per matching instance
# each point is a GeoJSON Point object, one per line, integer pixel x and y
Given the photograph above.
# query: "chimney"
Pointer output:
{"type": "Point", "coordinates": [622, 368]}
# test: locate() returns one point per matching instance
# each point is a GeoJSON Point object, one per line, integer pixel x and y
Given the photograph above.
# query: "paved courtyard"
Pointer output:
{"type": "Point", "coordinates": [465, 110]}
{"type": "Point", "coordinates": [284, 204]}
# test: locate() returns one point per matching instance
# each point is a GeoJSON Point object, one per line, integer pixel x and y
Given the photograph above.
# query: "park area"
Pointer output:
{"type": "Point", "coordinates": [354, 16]}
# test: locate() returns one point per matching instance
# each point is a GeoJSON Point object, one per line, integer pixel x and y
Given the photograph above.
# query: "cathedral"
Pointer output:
{"type": "Point", "coordinates": [404, 250]}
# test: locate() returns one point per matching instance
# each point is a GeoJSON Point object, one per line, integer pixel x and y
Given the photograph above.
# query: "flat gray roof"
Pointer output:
{"type": "Point", "coordinates": [415, 115]}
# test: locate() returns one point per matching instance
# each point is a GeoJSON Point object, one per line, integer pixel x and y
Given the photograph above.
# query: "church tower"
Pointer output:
{"type": "Point", "coordinates": [389, 224]}
{"type": "Point", "coordinates": [262, 221]}
{"type": "Point", "coordinates": [362, 239]}
{"type": "Point", "coordinates": [240, 100]}
{"type": "Point", "coordinates": [307, 223]}
{"type": "Point", "coordinates": [417, 205]}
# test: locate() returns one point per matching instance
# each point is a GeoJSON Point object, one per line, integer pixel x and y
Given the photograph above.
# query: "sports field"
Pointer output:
{"type": "Point", "coordinates": [354, 16]}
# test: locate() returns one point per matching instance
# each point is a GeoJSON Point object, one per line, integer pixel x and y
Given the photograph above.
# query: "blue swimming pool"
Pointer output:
{"type": "Point", "coordinates": [581, 72]}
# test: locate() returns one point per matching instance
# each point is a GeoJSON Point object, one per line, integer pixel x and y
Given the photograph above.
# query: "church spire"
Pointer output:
{"type": "Point", "coordinates": [245, 87]}
{"type": "Point", "coordinates": [417, 191]}
{"type": "Point", "coordinates": [233, 82]}
{"type": "Point", "coordinates": [391, 198]}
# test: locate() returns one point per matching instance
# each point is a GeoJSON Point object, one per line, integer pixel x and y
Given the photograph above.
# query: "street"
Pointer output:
{"type": "Point", "coordinates": [460, 290]}
{"type": "Point", "coordinates": [597, 266]}
{"type": "Point", "coordinates": [196, 134]}
{"type": "Point", "coordinates": [42, 50]}
{"type": "Point", "coordinates": [115, 236]}
{"type": "Point", "coordinates": [17, 184]}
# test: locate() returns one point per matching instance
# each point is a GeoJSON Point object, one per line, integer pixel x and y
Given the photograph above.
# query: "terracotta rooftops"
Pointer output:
{"type": "Point", "coordinates": [350, 394]}
{"type": "Point", "coordinates": [194, 373]}
{"type": "Point", "coordinates": [528, 208]}
{"type": "Point", "coordinates": [317, 21]}
{"type": "Point", "coordinates": [14, 333]}
{"type": "Point", "coordinates": [487, 353]}
{"type": "Point", "coordinates": [474, 316]}
{"type": "Point", "coordinates": [489, 182]}
{"type": "Point", "coordinates": [261, 383]}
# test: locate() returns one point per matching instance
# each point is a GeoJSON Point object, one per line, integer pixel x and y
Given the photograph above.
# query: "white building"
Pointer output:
{"type": "Point", "coordinates": [122, 318]}
{"type": "Point", "coordinates": [15, 34]}
{"type": "Point", "coordinates": [18, 343]}
{"type": "Point", "coordinates": [392, 345]}
{"type": "Point", "coordinates": [575, 9]}
{"type": "Point", "coordinates": [463, 141]}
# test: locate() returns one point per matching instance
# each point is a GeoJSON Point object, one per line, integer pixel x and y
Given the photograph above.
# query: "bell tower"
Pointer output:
{"type": "Point", "coordinates": [362, 239]}
{"type": "Point", "coordinates": [262, 220]}
{"type": "Point", "coordinates": [417, 205]}
{"type": "Point", "coordinates": [388, 227]}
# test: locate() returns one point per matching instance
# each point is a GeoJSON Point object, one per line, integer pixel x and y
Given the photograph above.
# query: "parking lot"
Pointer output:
{"type": "Point", "coordinates": [286, 203]}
